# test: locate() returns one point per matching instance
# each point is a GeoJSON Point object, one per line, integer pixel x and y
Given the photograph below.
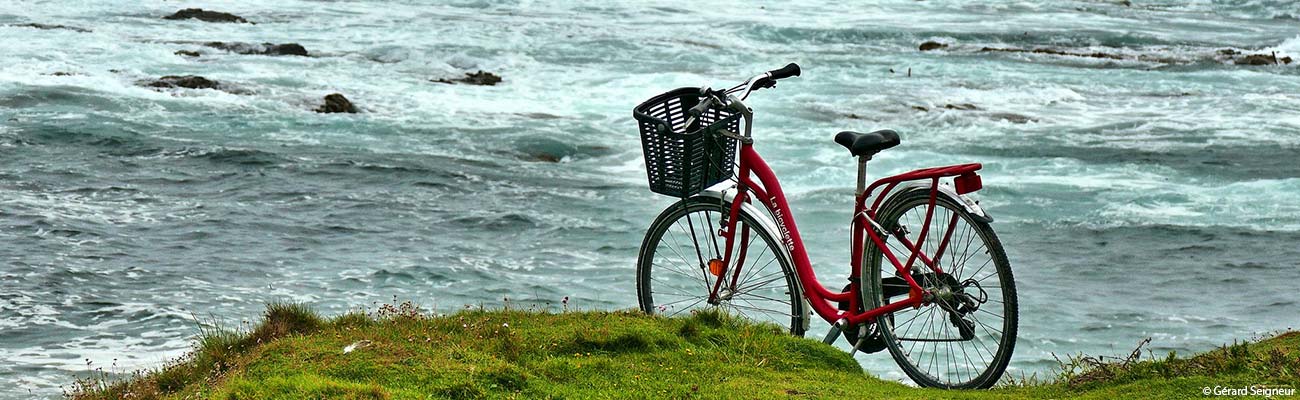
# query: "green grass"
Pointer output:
{"type": "Point", "coordinates": [401, 353]}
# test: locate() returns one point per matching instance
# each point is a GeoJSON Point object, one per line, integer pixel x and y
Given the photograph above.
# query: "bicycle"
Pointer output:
{"type": "Point", "coordinates": [938, 298]}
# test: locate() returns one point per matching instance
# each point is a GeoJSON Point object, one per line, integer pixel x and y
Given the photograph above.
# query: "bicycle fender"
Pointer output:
{"type": "Point", "coordinates": [767, 224]}
{"type": "Point", "coordinates": [972, 206]}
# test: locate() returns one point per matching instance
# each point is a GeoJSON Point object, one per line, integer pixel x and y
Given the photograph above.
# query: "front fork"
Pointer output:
{"type": "Point", "coordinates": [728, 233]}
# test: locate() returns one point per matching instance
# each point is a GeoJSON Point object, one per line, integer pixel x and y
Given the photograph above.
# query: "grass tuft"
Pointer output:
{"type": "Point", "coordinates": [283, 319]}
{"type": "Point", "coordinates": [1265, 364]}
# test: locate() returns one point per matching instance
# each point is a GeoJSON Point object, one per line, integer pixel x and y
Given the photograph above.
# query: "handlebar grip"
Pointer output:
{"type": "Point", "coordinates": [768, 81]}
{"type": "Point", "coordinates": [699, 109]}
{"type": "Point", "coordinates": [787, 71]}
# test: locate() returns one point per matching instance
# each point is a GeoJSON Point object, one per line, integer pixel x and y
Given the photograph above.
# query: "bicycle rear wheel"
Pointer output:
{"type": "Point", "coordinates": [965, 335]}
{"type": "Point", "coordinates": [680, 262]}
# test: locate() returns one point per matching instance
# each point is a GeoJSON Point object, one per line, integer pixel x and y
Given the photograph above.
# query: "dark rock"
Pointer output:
{"type": "Point", "coordinates": [187, 81]}
{"type": "Point", "coordinates": [927, 46]}
{"type": "Point", "coordinates": [1286, 60]}
{"type": "Point", "coordinates": [265, 49]}
{"type": "Point", "coordinates": [1228, 52]}
{"type": "Point", "coordinates": [544, 157]}
{"type": "Point", "coordinates": [187, 53]}
{"type": "Point", "coordinates": [546, 149]}
{"type": "Point", "coordinates": [1257, 59]}
{"type": "Point", "coordinates": [336, 103]}
{"type": "Point", "coordinates": [287, 49]}
{"type": "Point", "coordinates": [206, 16]}
{"type": "Point", "coordinates": [919, 108]}
{"type": "Point", "coordinates": [61, 73]}
{"type": "Point", "coordinates": [1126, 3]}
{"type": "Point", "coordinates": [1054, 52]}
{"type": "Point", "coordinates": [963, 106]}
{"type": "Point", "coordinates": [478, 78]}
{"type": "Point", "coordinates": [46, 26]}
{"type": "Point", "coordinates": [481, 78]}
{"type": "Point", "coordinates": [1012, 118]}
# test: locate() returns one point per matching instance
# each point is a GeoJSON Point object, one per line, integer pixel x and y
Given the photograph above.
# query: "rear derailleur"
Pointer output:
{"type": "Point", "coordinates": [959, 302]}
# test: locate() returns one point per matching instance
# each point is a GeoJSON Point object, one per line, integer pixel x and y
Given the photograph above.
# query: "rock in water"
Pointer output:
{"type": "Point", "coordinates": [927, 46]}
{"type": "Point", "coordinates": [482, 78]}
{"type": "Point", "coordinates": [1012, 118]}
{"type": "Point", "coordinates": [1257, 59]}
{"type": "Point", "coordinates": [1054, 52]}
{"type": "Point", "coordinates": [336, 103]}
{"type": "Point", "coordinates": [478, 78]}
{"type": "Point", "coordinates": [47, 27]}
{"type": "Point", "coordinates": [206, 16]}
{"type": "Point", "coordinates": [287, 49]}
{"type": "Point", "coordinates": [187, 81]}
{"type": "Point", "coordinates": [265, 49]}
{"type": "Point", "coordinates": [187, 53]}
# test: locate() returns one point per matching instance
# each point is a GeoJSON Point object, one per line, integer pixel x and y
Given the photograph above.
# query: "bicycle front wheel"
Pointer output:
{"type": "Point", "coordinates": [681, 263]}
{"type": "Point", "coordinates": [962, 337]}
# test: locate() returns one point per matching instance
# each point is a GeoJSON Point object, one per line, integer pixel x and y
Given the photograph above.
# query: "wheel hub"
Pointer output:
{"type": "Point", "coordinates": [952, 297]}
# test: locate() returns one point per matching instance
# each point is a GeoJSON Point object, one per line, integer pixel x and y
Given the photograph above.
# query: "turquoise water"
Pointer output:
{"type": "Point", "coordinates": [1152, 195]}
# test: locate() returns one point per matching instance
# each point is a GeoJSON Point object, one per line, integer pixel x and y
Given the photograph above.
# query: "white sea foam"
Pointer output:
{"type": "Point", "coordinates": [573, 76]}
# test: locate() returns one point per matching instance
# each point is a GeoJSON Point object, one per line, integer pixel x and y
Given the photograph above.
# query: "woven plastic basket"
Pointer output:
{"type": "Point", "coordinates": [683, 160]}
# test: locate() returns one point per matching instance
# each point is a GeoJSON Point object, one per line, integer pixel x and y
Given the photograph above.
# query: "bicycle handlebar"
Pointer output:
{"type": "Point", "coordinates": [765, 80]}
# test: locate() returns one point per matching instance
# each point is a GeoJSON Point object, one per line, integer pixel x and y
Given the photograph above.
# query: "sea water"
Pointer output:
{"type": "Point", "coordinates": [1151, 192]}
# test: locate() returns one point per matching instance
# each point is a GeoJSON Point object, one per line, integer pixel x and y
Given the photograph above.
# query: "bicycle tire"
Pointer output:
{"type": "Point", "coordinates": [914, 202]}
{"type": "Point", "coordinates": [778, 292]}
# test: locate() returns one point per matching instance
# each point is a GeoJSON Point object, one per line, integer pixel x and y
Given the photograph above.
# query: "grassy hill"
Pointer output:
{"type": "Point", "coordinates": [401, 353]}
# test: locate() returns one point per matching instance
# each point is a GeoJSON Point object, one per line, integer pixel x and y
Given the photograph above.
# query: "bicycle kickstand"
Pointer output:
{"type": "Point", "coordinates": [834, 333]}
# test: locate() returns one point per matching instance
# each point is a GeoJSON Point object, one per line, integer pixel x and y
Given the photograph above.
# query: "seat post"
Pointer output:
{"type": "Point", "coordinates": [862, 174]}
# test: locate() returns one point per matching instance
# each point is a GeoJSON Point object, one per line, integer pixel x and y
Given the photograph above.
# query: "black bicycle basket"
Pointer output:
{"type": "Point", "coordinates": [682, 160]}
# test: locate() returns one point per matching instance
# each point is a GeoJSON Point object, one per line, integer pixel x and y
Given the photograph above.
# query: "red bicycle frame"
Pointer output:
{"type": "Point", "coordinates": [823, 301]}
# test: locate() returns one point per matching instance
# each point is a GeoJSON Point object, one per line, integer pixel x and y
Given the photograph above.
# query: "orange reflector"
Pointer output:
{"type": "Point", "coordinates": [715, 267]}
